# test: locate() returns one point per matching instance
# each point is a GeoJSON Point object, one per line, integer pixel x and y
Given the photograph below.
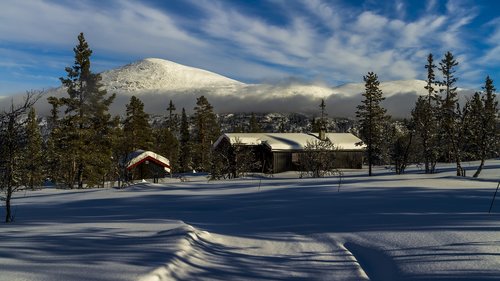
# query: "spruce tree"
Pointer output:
{"type": "Point", "coordinates": [315, 125]}
{"type": "Point", "coordinates": [482, 136]}
{"type": "Point", "coordinates": [167, 145]}
{"type": "Point", "coordinates": [136, 129]}
{"type": "Point", "coordinates": [372, 117]}
{"type": "Point", "coordinates": [172, 117]}
{"type": "Point", "coordinates": [450, 114]}
{"type": "Point", "coordinates": [54, 151]}
{"type": "Point", "coordinates": [84, 126]}
{"type": "Point", "coordinates": [206, 131]}
{"type": "Point", "coordinates": [32, 156]}
{"type": "Point", "coordinates": [424, 119]}
{"type": "Point", "coordinates": [254, 125]}
{"type": "Point", "coordinates": [184, 144]}
{"type": "Point", "coordinates": [322, 123]}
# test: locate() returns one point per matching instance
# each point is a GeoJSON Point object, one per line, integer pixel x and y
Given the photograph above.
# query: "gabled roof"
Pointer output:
{"type": "Point", "coordinates": [344, 141]}
{"type": "Point", "coordinates": [140, 156]}
{"type": "Point", "coordinates": [290, 141]}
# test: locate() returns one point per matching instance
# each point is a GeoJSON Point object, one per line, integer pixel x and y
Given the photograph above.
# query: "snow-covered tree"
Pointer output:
{"type": "Point", "coordinates": [372, 118]}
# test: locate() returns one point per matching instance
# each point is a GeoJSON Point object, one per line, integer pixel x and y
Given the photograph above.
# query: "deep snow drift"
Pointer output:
{"type": "Point", "coordinates": [386, 227]}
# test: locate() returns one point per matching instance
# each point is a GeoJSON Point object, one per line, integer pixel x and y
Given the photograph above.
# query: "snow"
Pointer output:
{"type": "Point", "coordinates": [158, 74]}
{"type": "Point", "coordinates": [154, 75]}
{"type": "Point", "coordinates": [139, 155]}
{"type": "Point", "coordinates": [386, 227]}
{"type": "Point", "coordinates": [291, 141]}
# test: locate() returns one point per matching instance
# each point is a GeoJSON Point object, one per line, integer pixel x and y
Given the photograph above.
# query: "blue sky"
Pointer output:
{"type": "Point", "coordinates": [335, 41]}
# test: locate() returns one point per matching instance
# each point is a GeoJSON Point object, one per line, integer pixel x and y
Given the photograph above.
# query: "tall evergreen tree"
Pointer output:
{"type": "Point", "coordinates": [206, 132]}
{"type": "Point", "coordinates": [322, 123]}
{"type": "Point", "coordinates": [254, 125]}
{"type": "Point", "coordinates": [483, 136]}
{"type": "Point", "coordinates": [184, 144]}
{"type": "Point", "coordinates": [172, 118]}
{"type": "Point", "coordinates": [85, 125]}
{"type": "Point", "coordinates": [449, 113]}
{"type": "Point", "coordinates": [54, 150]}
{"type": "Point", "coordinates": [32, 157]}
{"type": "Point", "coordinates": [424, 119]}
{"type": "Point", "coordinates": [136, 129]}
{"type": "Point", "coordinates": [372, 117]}
{"type": "Point", "coordinates": [167, 145]}
{"type": "Point", "coordinates": [315, 125]}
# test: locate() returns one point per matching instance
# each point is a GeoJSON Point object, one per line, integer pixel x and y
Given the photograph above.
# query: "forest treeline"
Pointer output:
{"type": "Point", "coordinates": [86, 146]}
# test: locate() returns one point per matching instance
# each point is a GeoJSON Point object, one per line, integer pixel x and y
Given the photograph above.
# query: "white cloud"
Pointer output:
{"type": "Point", "coordinates": [330, 41]}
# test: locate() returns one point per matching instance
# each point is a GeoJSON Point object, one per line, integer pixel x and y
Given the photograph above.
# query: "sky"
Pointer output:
{"type": "Point", "coordinates": [253, 41]}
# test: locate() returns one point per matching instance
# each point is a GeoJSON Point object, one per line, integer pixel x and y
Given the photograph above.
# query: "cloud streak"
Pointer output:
{"type": "Point", "coordinates": [314, 39]}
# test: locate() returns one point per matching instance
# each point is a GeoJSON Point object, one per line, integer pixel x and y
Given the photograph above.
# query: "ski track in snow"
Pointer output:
{"type": "Point", "coordinates": [387, 227]}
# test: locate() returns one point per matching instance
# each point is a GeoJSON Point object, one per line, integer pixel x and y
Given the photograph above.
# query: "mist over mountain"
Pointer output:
{"type": "Point", "coordinates": [156, 81]}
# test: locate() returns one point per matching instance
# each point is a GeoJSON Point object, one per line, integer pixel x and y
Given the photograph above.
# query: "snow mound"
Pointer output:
{"type": "Point", "coordinates": [154, 74]}
{"type": "Point", "coordinates": [176, 267]}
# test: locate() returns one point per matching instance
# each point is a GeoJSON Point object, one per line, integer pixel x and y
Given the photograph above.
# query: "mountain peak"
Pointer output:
{"type": "Point", "coordinates": [154, 74]}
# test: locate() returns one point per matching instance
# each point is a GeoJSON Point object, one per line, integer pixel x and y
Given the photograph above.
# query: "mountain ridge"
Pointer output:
{"type": "Point", "coordinates": [160, 76]}
{"type": "Point", "coordinates": [156, 81]}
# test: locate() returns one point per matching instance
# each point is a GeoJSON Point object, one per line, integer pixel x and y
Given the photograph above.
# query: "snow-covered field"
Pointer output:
{"type": "Point", "coordinates": [386, 227]}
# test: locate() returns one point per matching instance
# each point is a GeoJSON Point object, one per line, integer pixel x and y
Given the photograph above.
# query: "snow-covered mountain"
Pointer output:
{"type": "Point", "coordinates": [154, 74]}
{"type": "Point", "coordinates": [161, 76]}
{"type": "Point", "coordinates": [156, 81]}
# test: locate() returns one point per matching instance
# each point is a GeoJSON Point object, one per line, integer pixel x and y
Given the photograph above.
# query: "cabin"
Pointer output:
{"type": "Point", "coordinates": [280, 152]}
{"type": "Point", "coordinates": [142, 164]}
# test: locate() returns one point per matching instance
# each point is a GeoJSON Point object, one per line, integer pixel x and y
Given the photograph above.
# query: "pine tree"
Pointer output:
{"type": "Point", "coordinates": [371, 119]}
{"type": "Point", "coordinates": [315, 125]}
{"type": "Point", "coordinates": [53, 149]}
{"type": "Point", "coordinates": [167, 145]}
{"type": "Point", "coordinates": [450, 114]}
{"type": "Point", "coordinates": [424, 119]}
{"type": "Point", "coordinates": [184, 144]}
{"type": "Point", "coordinates": [400, 149]}
{"type": "Point", "coordinates": [85, 125]}
{"type": "Point", "coordinates": [254, 125]}
{"type": "Point", "coordinates": [32, 156]}
{"type": "Point", "coordinates": [206, 132]}
{"type": "Point", "coordinates": [172, 117]}
{"type": "Point", "coordinates": [482, 136]}
{"type": "Point", "coordinates": [136, 129]}
{"type": "Point", "coordinates": [322, 123]}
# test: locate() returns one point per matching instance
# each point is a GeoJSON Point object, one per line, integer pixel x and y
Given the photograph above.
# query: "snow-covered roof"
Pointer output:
{"type": "Point", "coordinates": [290, 141]}
{"type": "Point", "coordinates": [139, 156]}
{"type": "Point", "coordinates": [344, 141]}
